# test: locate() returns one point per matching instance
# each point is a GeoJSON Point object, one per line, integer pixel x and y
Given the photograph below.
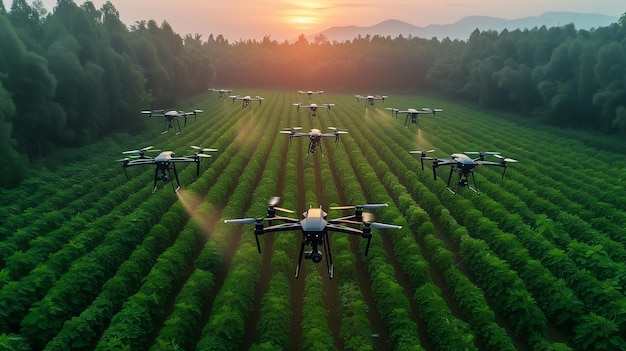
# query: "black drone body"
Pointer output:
{"type": "Point", "coordinates": [315, 227]}
{"type": "Point", "coordinates": [412, 115]}
{"type": "Point", "coordinates": [313, 108]}
{"type": "Point", "coordinates": [246, 101]}
{"type": "Point", "coordinates": [221, 92]}
{"type": "Point", "coordinates": [171, 119]}
{"type": "Point", "coordinates": [315, 137]}
{"type": "Point", "coordinates": [165, 163]}
{"type": "Point", "coordinates": [370, 100]}
{"type": "Point", "coordinates": [310, 93]}
{"type": "Point", "coordinates": [464, 166]}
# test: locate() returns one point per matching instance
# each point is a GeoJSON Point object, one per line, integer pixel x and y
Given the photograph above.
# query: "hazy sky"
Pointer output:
{"type": "Point", "coordinates": [286, 19]}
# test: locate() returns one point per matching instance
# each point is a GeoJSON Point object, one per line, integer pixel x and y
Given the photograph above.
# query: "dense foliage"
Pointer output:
{"type": "Point", "coordinates": [77, 74]}
{"type": "Point", "coordinates": [91, 260]}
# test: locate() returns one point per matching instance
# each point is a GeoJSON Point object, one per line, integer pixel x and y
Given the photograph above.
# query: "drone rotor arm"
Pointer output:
{"type": "Point", "coordinates": [141, 161]}
{"type": "Point", "coordinates": [365, 206]}
{"type": "Point", "coordinates": [335, 227]}
{"type": "Point", "coordinates": [284, 227]}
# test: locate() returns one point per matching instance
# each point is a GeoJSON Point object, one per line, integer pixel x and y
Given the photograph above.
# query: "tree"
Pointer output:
{"type": "Point", "coordinates": [13, 166]}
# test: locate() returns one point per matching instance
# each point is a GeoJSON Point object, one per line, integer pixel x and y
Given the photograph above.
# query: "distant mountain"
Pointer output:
{"type": "Point", "coordinates": [465, 26]}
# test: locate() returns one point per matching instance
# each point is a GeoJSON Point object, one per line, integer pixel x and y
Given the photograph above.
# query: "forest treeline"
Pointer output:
{"type": "Point", "coordinates": [73, 75]}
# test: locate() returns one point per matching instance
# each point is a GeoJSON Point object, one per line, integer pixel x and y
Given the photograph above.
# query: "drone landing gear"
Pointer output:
{"type": "Point", "coordinates": [314, 255]}
{"type": "Point", "coordinates": [169, 124]}
{"type": "Point", "coordinates": [463, 180]}
{"type": "Point", "coordinates": [165, 177]}
{"type": "Point", "coordinates": [411, 118]}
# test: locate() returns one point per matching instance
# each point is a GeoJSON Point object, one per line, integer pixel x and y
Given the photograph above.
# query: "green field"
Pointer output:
{"type": "Point", "coordinates": [91, 260]}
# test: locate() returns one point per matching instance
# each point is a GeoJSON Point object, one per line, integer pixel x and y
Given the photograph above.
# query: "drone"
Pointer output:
{"type": "Point", "coordinates": [221, 92]}
{"type": "Point", "coordinates": [310, 93]}
{"type": "Point", "coordinates": [313, 108]}
{"type": "Point", "coordinates": [464, 166]}
{"type": "Point", "coordinates": [315, 137]}
{"type": "Point", "coordinates": [411, 115]}
{"type": "Point", "coordinates": [171, 118]}
{"type": "Point", "coordinates": [315, 227]}
{"type": "Point", "coordinates": [164, 162]}
{"type": "Point", "coordinates": [369, 99]}
{"type": "Point", "coordinates": [246, 100]}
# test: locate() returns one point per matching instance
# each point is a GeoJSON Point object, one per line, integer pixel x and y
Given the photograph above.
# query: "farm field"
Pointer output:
{"type": "Point", "coordinates": [92, 261]}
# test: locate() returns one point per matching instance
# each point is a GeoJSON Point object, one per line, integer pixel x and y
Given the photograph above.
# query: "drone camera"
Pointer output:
{"type": "Point", "coordinates": [316, 256]}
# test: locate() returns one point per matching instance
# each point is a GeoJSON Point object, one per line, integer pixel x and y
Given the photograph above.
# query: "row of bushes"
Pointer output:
{"type": "Point", "coordinates": [453, 333]}
{"type": "Point", "coordinates": [386, 157]}
{"type": "Point", "coordinates": [17, 296]}
{"type": "Point", "coordinates": [227, 323]}
{"type": "Point", "coordinates": [391, 301]}
{"type": "Point", "coordinates": [609, 270]}
{"type": "Point", "coordinates": [515, 257]}
{"type": "Point", "coordinates": [106, 224]}
{"type": "Point", "coordinates": [355, 331]}
{"type": "Point", "coordinates": [40, 194]}
{"type": "Point", "coordinates": [181, 328]}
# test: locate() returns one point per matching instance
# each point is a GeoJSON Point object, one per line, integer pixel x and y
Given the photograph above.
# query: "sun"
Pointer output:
{"type": "Point", "coordinates": [304, 15]}
{"type": "Point", "coordinates": [302, 20]}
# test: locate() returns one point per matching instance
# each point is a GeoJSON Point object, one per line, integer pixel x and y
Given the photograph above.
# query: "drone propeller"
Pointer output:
{"type": "Point", "coordinates": [271, 207]}
{"type": "Point", "coordinates": [137, 151]}
{"type": "Point", "coordinates": [339, 131]}
{"type": "Point", "coordinates": [140, 151]}
{"type": "Point", "coordinates": [481, 153]}
{"type": "Point", "coordinates": [385, 226]}
{"type": "Point", "coordinates": [123, 159]}
{"type": "Point", "coordinates": [203, 149]}
{"type": "Point", "coordinates": [366, 207]}
{"type": "Point", "coordinates": [505, 159]}
{"type": "Point", "coordinates": [393, 111]}
{"type": "Point", "coordinates": [423, 156]}
{"type": "Point", "coordinates": [428, 109]}
{"type": "Point", "coordinates": [241, 221]}
{"type": "Point", "coordinates": [290, 130]}
{"type": "Point", "coordinates": [274, 201]}
{"type": "Point", "coordinates": [421, 152]}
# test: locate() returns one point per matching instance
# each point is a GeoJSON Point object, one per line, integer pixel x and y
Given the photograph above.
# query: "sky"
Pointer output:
{"type": "Point", "coordinates": [287, 19]}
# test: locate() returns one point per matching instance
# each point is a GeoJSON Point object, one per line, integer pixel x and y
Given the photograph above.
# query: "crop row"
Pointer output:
{"type": "Point", "coordinates": [519, 255]}
{"type": "Point", "coordinates": [451, 328]}
{"type": "Point", "coordinates": [388, 158]}
{"type": "Point", "coordinates": [40, 194]}
{"type": "Point", "coordinates": [580, 280]}
{"type": "Point", "coordinates": [125, 227]}
{"type": "Point", "coordinates": [523, 265]}
{"type": "Point", "coordinates": [117, 332]}
{"type": "Point", "coordinates": [226, 324]}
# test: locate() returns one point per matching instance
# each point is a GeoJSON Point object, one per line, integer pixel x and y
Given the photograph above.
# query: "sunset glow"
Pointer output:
{"type": "Point", "coordinates": [287, 19]}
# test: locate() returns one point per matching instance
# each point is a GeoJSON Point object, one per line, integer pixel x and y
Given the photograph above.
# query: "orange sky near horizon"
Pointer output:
{"type": "Point", "coordinates": [287, 19]}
